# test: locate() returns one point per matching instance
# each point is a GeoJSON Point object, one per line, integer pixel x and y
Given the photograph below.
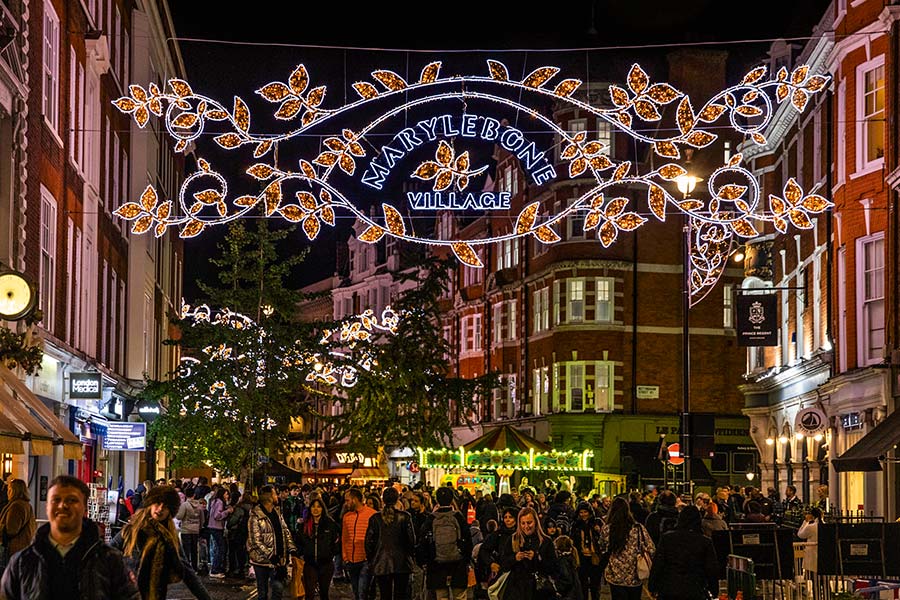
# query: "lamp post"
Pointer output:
{"type": "Point", "coordinates": [686, 184]}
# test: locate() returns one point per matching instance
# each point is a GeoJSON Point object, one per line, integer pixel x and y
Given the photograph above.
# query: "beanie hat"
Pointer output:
{"type": "Point", "coordinates": [165, 495]}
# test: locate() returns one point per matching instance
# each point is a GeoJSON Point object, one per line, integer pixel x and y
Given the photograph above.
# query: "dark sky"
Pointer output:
{"type": "Point", "coordinates": [223, 70]}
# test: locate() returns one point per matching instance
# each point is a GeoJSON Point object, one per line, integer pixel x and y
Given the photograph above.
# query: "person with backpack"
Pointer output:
{"type": "Point", "coordinates": [390, 543]}
{"type": "Point", "coordinates": [665, 516]}
{"type": "Point", "coordinates": [561, 513]}
{"type": "Point", "coordinates": [448, 544]}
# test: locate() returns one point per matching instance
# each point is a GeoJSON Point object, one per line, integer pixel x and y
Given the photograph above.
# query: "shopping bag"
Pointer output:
{"type": "Point", "coordinates": [297, 590]}
{"type": "Point", "coordinates": [495, 592]}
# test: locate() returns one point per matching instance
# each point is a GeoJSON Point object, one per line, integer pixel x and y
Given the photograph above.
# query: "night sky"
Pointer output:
{"type": "Point", "coordinates": [223, 70]}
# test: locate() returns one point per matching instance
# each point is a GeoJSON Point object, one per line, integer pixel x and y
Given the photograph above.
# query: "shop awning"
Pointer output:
{"type": "Point", "coordinates": [506, 438]}
{"type": "Point", "coordinates": [867, 453]}
{"type": "Point", "coordinates": [369, 474]}
{"type": "Point", "coordinates": [335, 472]}
{"type": "Point", "coordinates": [32, 419]}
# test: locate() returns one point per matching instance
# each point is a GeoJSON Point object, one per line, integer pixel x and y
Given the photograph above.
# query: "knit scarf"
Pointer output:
{"type": "Point", "coordinates": [160, 564]}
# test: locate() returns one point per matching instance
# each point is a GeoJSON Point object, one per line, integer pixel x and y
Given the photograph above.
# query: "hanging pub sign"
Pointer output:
{"type": "Point", "coordinates": [408, 145]}
{"type": "Point", "coordinates": [810, 421]}
{"type": "Point", "coordinates": [757, 320]}
{"type": "Point", "coordinates": [85, 386]}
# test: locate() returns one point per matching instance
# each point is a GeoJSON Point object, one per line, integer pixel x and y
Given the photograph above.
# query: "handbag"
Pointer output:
{"type": "Point", "coordinates": [496, 589]}
{"type": "Point", "coordinates": [545, 586]}
{"type": "Point", "coordinates": [644, 561]}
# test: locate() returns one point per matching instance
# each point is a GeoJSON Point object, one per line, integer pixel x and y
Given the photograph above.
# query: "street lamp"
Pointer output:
{"type": "Point", "coordinates": [17, 297]}
{"type": "Point", "coordinates": [686, 183]}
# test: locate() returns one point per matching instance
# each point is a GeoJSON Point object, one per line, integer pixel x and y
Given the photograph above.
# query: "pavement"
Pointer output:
{"type": "Point", "coordinates": [245, 589]}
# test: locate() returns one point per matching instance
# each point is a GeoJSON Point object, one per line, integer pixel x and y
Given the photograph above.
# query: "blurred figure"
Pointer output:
{"type": "Point", "coordinates": [685, 565]}
{"type": "Point", "coordinates": [17, 522]}
{"type": "Point", "coordinates": [809, 532]}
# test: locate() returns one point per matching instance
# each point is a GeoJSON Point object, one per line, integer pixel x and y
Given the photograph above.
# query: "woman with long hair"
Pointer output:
{"type": "Point", "coordinates": [390, 543]}
{"type": "Point", "coordinates": [530, 558]}
{"type": "Point", "coordinates": [492, 547]}
{"type": "Point", "coordinates": [152, 549]}
{"type": "Point", "coordinates": [218, 517]}
{"type": "Point", "coordinates": [624, 539]}
{"type": "Point", "coordinates": [685, 565]}
{"type": "Point", "coordinates": [17, 522]}
{"type": "Point", "coordinates": [319, 541]}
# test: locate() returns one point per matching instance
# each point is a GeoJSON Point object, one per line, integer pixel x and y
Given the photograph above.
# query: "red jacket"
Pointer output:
{"type": "Point", "coordinates": [353, 534]}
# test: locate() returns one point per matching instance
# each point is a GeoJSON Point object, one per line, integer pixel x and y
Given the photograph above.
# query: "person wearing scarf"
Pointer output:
{"type": "Point", "coordinates": [152, 549]}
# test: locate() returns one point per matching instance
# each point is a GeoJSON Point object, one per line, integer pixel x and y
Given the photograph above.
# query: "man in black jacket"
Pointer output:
{"type": "Point", "coordinates": [665, 516]}
{"type": "Point", "coordinates": [67, 558]}
{"type": "Point", "coordinates": [447, 578]}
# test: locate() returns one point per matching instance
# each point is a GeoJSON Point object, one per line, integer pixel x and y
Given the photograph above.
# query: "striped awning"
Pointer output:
{"type": "Point", "coordinates": [506, 438]}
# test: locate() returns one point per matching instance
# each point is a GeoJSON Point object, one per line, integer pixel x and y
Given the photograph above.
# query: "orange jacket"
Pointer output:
{"type": "Point", "coordinates": [353, 534]}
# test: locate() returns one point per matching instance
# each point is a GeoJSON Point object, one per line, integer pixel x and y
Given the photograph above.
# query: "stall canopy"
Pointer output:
{"type": "Point", "coordinates": [369, 474]}
{"type": "Point", "coordinates": [867, 453]}
{"type": "Point", "coordinates": [506, 447]}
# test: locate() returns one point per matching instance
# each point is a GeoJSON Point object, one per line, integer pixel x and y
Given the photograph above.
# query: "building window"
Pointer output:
{"type": "Point", "coordinates": [870, 114]}
{"type": "Point", "coordinates": [576, 223]}
{"type": "Point", "coordinates": [508, 254]}
{"type": "Point", "coordinates": [540, 390]}
{"type": "Point", "coordinates": [498, 322]}
{"type": "Point", "coordinates": [603, 386]}
{"type": "Point", "coordinates": [604, 299]}
{"type": "Point", "coordinates": [541, 308]}
{"type": "Point", "coordinates": [472, 333]}
{"type": "Point", "coordinates": [871, 253]}
{"type": "Point", "coordinates": [51, 66]}
{"type": "Point", "coordinates": [605, 136]}
{"type": "Point", "coordinates": [472, 275]}
{"type": "Point", "coordinates": [575, 296]}
{"type": "Point", "coordinates": [728, 306]}
{"type": "Point", "coordinates": [575, 391]}
{"type": "Point", "coordinates": [588, 385]}
{"type": "Point", "coordinates": [48, 257]}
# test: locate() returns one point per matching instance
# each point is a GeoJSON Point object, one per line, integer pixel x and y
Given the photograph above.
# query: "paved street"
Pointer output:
{"type": "Point", "coordinates": [234, 589]}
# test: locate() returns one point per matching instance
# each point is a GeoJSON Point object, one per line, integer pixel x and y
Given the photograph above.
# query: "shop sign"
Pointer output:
{"type": "Point", "coordinates": [859, 550]}
{"type": "Point", "coordinates": [750, 539]}
{"type": "Point", "coordinates": [149, 411]}
{"type": "Point", "coordinates": [647, 392]}
{"type": "Point", "coordinates": [810, 421]}
{"type": "Point", "coordinates": [757, 320]}
{"type": "Point", "coordinates": [125, 436]}
{"type": "Point", "coordinates": [86, 386]}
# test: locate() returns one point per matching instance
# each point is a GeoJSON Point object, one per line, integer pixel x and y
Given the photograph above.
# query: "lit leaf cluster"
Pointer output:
{"type": "Point", "coordinates": [294, 98]}
{"type": "Point", "coordinates": [342, 152]}
{"type": "Point", "coordinates": [447, 168]}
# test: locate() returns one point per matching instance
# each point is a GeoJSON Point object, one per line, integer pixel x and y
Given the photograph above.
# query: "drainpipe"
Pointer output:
{"type": "Point", "coordinates": [634, 323]}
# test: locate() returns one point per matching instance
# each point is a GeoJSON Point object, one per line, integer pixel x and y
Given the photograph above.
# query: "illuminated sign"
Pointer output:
{"type": "Point", "coordinates": [86, 386]}
{"type": "Point", "coordinates": [125, 436]}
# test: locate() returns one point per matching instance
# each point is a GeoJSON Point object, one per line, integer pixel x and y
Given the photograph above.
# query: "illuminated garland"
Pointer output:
{"type": "Point", "coordinates": [732, 210]}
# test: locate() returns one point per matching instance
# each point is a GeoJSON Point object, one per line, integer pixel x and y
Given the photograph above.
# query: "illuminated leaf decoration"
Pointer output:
{"type": "Point", "coordinates": [328, 215]}
{"type": "Point", "coordinates": [782, 74]}
{"type": "Point", "coordinates": [754, 75]}
{"type": "Point", "coordinates": [308, 170]}
{"type": "Point", "coordinates": [615, 207]}
{"type": "Point", "coordinates": [619, 96]}
{"type": "Point", "coordinates": [129, 211]}
{"type": "Point", "coordinates": [261, 171]}
{"type": "Point", "coordinates": [216, 115]}
{"type": "Point", "coordinates": [444, 154]}
{"type": "Point", "coordinates": [443, 181]}
{"type": "Point", "coordinates": [539, 77]}
{"type": "Point", "coordinates": [646, 110]}
{"type": "Point", "coordinates": [262, 149]}
{"type": "Point", "coordinates": [526, 218]}
{"type": "Point", "coordinates": [597, 202]}
{"type": "Point", "coordinates": [462, 162]}
{"type": "Point", "coordinates": [366, 90]}
{"type": "Point", "coordinates": [816, 83]}
{"type": "Point", "coordinates": [143, 224]}
{"type": "Point", "coordinates": [608, 234]}
{"type": "Point", "coordinates": [799, 99]}
{"type": "Point", "coordinates": [689, 205]}
{"type": "Point", "coordinates": [498, 70]}
{"type": "Point", "coordinates": [750, 97]}
{"type": "Point", "coordinates": [546, 235]}
{"type": "Point", "coordinates": [666, 149]}
{"type": "Point", "coordinates": [711, 112]}
{"type": "Point", "coordinates": [393, 220]}
{"type": "Point", "coordinates": [289, 109]}
{"type": "Point", "coordinates": [180, 87]}
{"type": "Point", "coordinates": [570, 151]}
{"type": "Point", "coordinates": [592, 220]}
{"type": "Point", "coordinates": [577, 167]}
{"type": "Point", "coordinates": [372, 234]}
{"type": "Point", "coordinates": [780, 225]}
{"type": "Point", "coordinates": [335, 144]}
{"type": "Point", "coordinates": [241, 114]}
{"type": "Point", "coordinates": [732, 191]}
{"type": "Point", "coordinates": [799, 74]}
{"type": "Point", "coordinates": [306, 200]}
{"type": "Point", "coordinates": [656, 198]}
{"type": "Point", "coordinates": [700, 139]}
{"type": "Point", "coordinates": [567, 87]}
{"type": "Point", "coordinates": [299, 80]}
{"type": "Point", "coordinates": [637, 79]}
{"type": "Point", "coordinates": [685, 115]}
{"type": "Point", "coordinates": [160, 229]}
{"type": "Point", "coordinates": [800, 219]}
{"type": "Point", "coordinates": [600, 162]}
{"type": "Point", "coordinates": [274, 92]}
{"type": "Point", "coordinates": [390, 80]}
{"type": "Point", "coordinates": [244, 201]}
{"type": "Point", "coordinates": [625, 119]}
{"type": "Point", "coordinates": [347, 164]}
{"type": "Point", "coordinates": [430, 73]}
{"type": "Point", "coordinates": [777, 205]}
{"type": "Point", "coordinates": [291, 212]}
{"type": "Point", "coordinates": [815, 203]}
{"type": "Point", "coordinates": [126, 104]}
{"type": "Point", "coordinates": [272, 197]}
{"type": "Point", "coordinates": [316, 96]}
{"type": "Point", "coordinates": [630, 221]}
{"type": "Point", "coordinates": [192, 229]}
{"type": "Point", "coordinates": [735, 160]}
{"type": "Point", "coordinates": [671, 171]}
{"type": "Point", "coordinates": [155, 106]}
{"type": "Point", "coordinates": [141, 116]}
{"type": "Point", "coordinates": [163, 211]}
{"type": "Point", "coordinates": [308, 117]}
{"type": "Point", "coordinates": [326, 159]}
{"type": "Point", "coordinates": [466, 254]}
{"type": "Point", "coordinates": [149, 198]}
{"type": "Point", "coordinates": [759, 138]}
{"type": "Point", "coordinates": [792, 191]}
{"type": "Point", "coordinates": [747, 110]}
{"type": "Point", "coordinates": [208, 196]}
{"type": "Point", "coordinates": [592, 148]}
{"type": "Point", "coordinates": [228, 140]}
{"type": "Point", "coordinates": [663, 93]}
{"type": "Point", "coordinates": [427, 170]}
{"type": "Point", "coordinates": [621, 171]}
{"type": "Point", "coordinates": [744, 228]}
{"type": "Point", "coordinates": [311, 227]}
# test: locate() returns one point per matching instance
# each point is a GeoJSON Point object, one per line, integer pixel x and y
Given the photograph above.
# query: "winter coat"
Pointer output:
{"type": "Point", "coordinates": [261, 544]}
{"type": "Point", "coordinates": [622, 567]}
{"type": "Point", "coordinates": [436, 573]}
{"type": "Point", "coordinates": [17, 525]}
{"type": "Point", "coordinates": [390, 547]}
{"type": "Point", "coordinates": [493, 544]}
{"type": "Point", "coordinates": [190, 515]}
{"type": "Point", "coordinates": [487, 511]}
{"type": "Point", "coordinates": [477, 536]}
{"type": "Point", "coordinates": [711, 523]}
{"type": "Point", "coordinates": [323, 543]}
{"type": "Point", "coordinates": [567, 582]}
{"type": "Point", "coordinates": [561, 514]}
{"type": "Point", "coordinates": [520, 585]}
{"type": "Point", "coordinates": [236, 526]}
{"type": "Point", "coordinates": [217, 514]}
{"type": "Point", "coordinates": [353, 534]}
{"type": "Point", "coordinates": [684, 567]}
{"type": "Point", "coordinates": [102, 574]}
{"type": "Point", "coordinates": [809, 531]}
{"type": "Point", "coordinates": [586, 540]}
{"type": "Point", "coordinates": [661, 520]}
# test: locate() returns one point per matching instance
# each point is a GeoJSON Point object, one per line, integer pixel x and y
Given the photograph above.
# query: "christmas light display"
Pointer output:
{"type": "Point", "coordinates": [734, 208]}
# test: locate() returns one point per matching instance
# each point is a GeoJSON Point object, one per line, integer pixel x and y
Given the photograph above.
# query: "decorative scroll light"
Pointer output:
{"type": "Point", "coordinates": [323, 368]}
{"type": "Point", "coordinates": [310, 195]}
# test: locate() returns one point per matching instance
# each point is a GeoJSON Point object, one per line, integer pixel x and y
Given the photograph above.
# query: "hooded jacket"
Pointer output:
{"type": "Point", "coordinates": [261, 542]}
{"type": "Point", "coordinates": [101, 570]}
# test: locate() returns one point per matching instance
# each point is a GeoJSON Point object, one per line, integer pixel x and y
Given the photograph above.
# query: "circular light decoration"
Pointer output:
{"type": "Point", "coordinates": [311, 194]}
{"type": "Point", "coordinates": [17, 297]}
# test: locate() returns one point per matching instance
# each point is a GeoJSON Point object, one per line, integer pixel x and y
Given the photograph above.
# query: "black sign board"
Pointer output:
{"type": "Point", "coordinates": [859, 549]}
{"type": "Point", "coordinates": [757, 319]}
{"type": "Point", "coordinates": [86, 386]}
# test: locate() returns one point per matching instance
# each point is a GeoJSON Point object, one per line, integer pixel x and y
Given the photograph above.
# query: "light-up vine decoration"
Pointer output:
{"type": "Point", "coordinates": [733, 209]}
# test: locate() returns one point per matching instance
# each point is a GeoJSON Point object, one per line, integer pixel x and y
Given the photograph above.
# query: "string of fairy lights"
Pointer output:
{"type": "Point", "coordinates": [734, 209]}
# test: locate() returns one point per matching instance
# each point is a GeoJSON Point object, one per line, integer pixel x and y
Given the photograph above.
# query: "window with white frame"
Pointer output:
{"type": "Point", "coordinates": [604, 297]}
{"type": "Point", "coordinates": [587, 385]}
{"type": "Point", "coordinates": [50, 88]}
{"type": "Point", "coordinates": [104, 323]}
{"type": "Point", "coordinates": [113, 317]}
{"type": "Point", "coordinates": [507, 179]}
{"type": "Point", "coordinates": [471, 325]}
{"type": "Point", "coordinates": [540, 310]}
{"type": "Point", "coordinates": [507, 254]}
{"type": "Point", "coordinates": [871, 297]}
{"type": "Point", "coordinates": [603, 386]}
{"type": "Point", "coordinates": [146, 325]}
{"type": "Point", "coordinates": [575, 388]}
{"type": "Point", "coordinates": [115, 59]}
{"type": "Point", "coordinates": [728, 306]}
{"type": "Point", "coordinates": [48, 257]}
{"type": "Point", "coordinates": [575, 223]}
{"type": "Point", "coordinates": [842, 133]}
{"type": "Point", "coordinates": [497, 314]}
{"type": "Point", "coordinates": [605, 136]}
{"type": "Point", "coordinates": [870, 114]}
{"type": "Point", "coordinates": [472, 276]}
{"type": "Point", "coordinates": [575, 298]}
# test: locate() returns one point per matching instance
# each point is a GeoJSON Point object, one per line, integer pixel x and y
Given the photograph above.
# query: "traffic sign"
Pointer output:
{"type": "Point", "coordinates": [675, 457]}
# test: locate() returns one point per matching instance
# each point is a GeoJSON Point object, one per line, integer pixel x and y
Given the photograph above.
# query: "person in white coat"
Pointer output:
{"type": "Point", "coordinates": [809, 532]}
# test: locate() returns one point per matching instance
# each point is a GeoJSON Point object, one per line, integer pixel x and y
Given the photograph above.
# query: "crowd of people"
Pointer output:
{"type": "Point", "coordinates": [398, 542]}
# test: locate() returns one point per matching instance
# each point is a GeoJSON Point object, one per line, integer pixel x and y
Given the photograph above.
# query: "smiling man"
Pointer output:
{"type": "Point", "coordinates": [68, 559]}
